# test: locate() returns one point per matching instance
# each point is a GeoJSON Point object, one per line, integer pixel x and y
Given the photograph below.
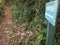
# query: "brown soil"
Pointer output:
{"type": "Point", "coordinates": [6, 19]}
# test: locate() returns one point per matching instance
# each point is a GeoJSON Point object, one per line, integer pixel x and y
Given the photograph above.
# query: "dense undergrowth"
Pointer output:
{"type": "Point", "coordinates": [30, 13]}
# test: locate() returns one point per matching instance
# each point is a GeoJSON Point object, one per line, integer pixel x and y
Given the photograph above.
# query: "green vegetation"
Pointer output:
{"type": "Point", "coordinates": [30, 13]}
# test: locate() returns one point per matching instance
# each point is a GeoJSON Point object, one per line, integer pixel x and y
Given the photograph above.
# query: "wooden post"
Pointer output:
{"type": "Point", "coordinates": [50, 32]}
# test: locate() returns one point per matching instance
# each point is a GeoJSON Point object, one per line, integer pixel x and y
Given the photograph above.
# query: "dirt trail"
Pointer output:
{"type": "Point", "coordinates": [5, 20]}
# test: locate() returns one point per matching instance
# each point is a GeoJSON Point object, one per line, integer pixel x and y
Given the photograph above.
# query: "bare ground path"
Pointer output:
{"type": "Point", "coordinates": [5, 20]}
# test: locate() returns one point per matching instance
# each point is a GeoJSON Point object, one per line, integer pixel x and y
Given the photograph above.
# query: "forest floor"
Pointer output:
{"type": "Point", "coordinates": [10, 31]}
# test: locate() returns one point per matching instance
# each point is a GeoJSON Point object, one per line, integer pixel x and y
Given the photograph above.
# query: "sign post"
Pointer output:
{"type": "Point", "coordinates": [51, 15]}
